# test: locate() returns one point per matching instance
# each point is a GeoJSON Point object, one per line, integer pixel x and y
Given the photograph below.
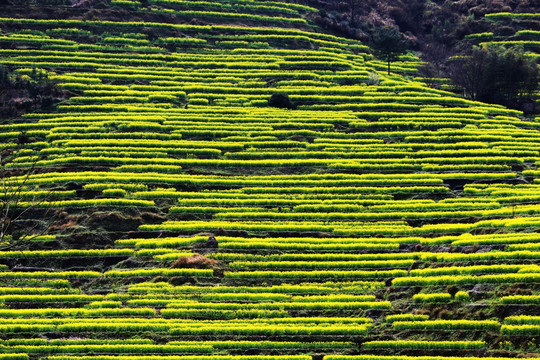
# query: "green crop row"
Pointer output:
{"type": "Point", "coordinates": [77, 312]}
{"type": "Point", "coordinates": [109, 274]}
{"type": "Point", "coordinates": [319, 265]}
{"type": "Point", "coordinates": [403, 357]}
{"type": "Point", "coordinates": [272, 6]}
{"type": "Point", "coordinates": [220, 16]}
{"type": "Point", "coordinates": [355, 287]}
{"type": "Point", "coordinates": [88, 203]}
{"type": "Point", "coordinates": [330, 274]}
{"type": "Point", "coordinates": [480, 36]}
{"type": "Point", "coordinates": [520, 330]}
{"type": "Point", "coordinates": [35, 40]}
{"type": "Point", "coordinates": [226, 297]}
{"type": "Point", "coordinates": [345, 189]}
{"type": "Point", "coordinates": [191, 327]}
{"type": "Point", "coordinates": [440, 297]}
{"type": "Point", "coordinates": [522, 320]}
{"type": "Point", "coordinates": [6, 290]}
{"type": "Point", "coordinates": [406, 317]}
{"type": "Point", "coordinates": [447, 325]}
{"type": "Point", "coordinates": [245, 213]}
{"type": "Point", "coordinates": [261, 330]}
{"type": "Point", "coordinates": [14, 357]}
{"type": "Point", "coordinates": [175, 309]}
{"type": "Point", "coordinates": [520, 299]}
{"type": "Point", "coordinates": [469, 155]}
{"type": "Point", "coordinates": [66, 253]}
{"type": "Point", "coordinates": [512, 15]}
{"type": "Point", "coordinates": [191, 313]}
{"type": "Point", "coordinates": [158, 272]}
{"type": "Point", "coordinates": [172, 357]}
{"type": "Point", "coordinates": [48, 275]}
{"type": "Point", "coordinates": [53, 298]}
{"type": "Point", "coordinates": [492, 255]}
{"type": "Point", "coordinates": [62, 342]}
{"type": "Point", "coordinates": [316, 257]}
{"type": "Point", "coordinates": [468, 279]}
{"type": "Point", "coordinates": [217, 163]}
{"type": "Point", "coordinates": [111, 349]}
{"type": "Point", "coordinates": [282, 345]}
{"type": "Point", "coordinates": [423, 345]}
{"type": "Point", "coordinates": [511, 238]}
{"type": "Point", "coordinates": [467, 270]}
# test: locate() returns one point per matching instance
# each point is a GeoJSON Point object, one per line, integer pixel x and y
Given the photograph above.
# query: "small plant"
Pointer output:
{"type": "Point", "coordinates": [462, 296]}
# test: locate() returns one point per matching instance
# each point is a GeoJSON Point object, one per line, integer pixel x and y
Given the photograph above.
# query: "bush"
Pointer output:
{"type": "Point", "coordinates": [280, 100]}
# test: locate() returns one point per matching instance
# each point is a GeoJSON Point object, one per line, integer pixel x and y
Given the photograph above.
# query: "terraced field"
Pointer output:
{"type": "Point", "coordinates": [376, 219]}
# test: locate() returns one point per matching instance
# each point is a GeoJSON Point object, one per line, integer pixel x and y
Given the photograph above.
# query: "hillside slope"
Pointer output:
{"type": "Point", "coordinates": [182, 217]}
{"type": "Point", "coordinates": [427, 23]}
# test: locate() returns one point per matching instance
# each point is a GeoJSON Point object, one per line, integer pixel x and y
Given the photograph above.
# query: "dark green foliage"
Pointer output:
{"type": "Point", "coordinates": [495, 75]}
{"type": "Point", "coordinates": [388, 44]}
{"type": "Point", "coordinates": [280, 100]}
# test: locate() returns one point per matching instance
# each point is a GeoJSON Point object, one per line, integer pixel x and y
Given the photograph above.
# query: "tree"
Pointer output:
{"type": "Point", "coordinates": [495, 74]}
{"type": "Point", "coordinates": [354, 7]}
{"type": "Point", "coordinates": [16, 229]}
{"type": "Point", "coordinates": [517, 76]}
{"type": "Point", "coordinates": [471, 73]}
{"type": "Point", "coordinates": [435, 57]}
{"type": "Point", "coordinates": [388, 44]}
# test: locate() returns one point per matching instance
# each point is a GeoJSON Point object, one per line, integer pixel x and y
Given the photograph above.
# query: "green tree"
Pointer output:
{"type": "Point", "coordinates": [388, 44]}
{"type": "Point", "coordinates": [495, 74]}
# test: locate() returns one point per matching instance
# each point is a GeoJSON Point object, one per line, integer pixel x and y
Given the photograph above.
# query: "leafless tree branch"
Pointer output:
{"type": "Point", "coordinates": [14, 210]}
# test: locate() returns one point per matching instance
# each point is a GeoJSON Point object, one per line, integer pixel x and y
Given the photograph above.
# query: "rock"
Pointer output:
{"type": "Point", "coordinates": [113, 221]}
{"type": "Point", "coordinates": [99, 292]}
{"type": "Point", "coordinates": [374, 313]}
{"type": "Point", "coordinates": [407, 247]}
{"type": "Point", "coordinates": [211, 243]}
{"type": "Point", "coordinates": [478, 305]}
{"type": "Point", "coordinates": [129, 264]}
{"type": "Point", "coordinates": [195, 261]}
{"type": "Point", "coordinates": [394, 297]}
{"type": "Point", "coordinates": [480, 290]}
{"type": "Point", "coordinates": [31, 269]}
{"type": "Point", "coordinates": [73, 186]}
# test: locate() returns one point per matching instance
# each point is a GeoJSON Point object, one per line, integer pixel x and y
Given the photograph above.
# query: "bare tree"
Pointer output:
{"type": "Point", "coordinates": [471, 73]}
{"type": "Point", "coordinates": [435, 57]}
{"type": "Point", "coordinates": [354, 9]}
{"type": "Point", "coordinates": [16, 228]}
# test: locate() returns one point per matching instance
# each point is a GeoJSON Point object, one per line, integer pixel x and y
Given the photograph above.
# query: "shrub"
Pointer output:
{"type": "Point", "coordinates": [280, 100]}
